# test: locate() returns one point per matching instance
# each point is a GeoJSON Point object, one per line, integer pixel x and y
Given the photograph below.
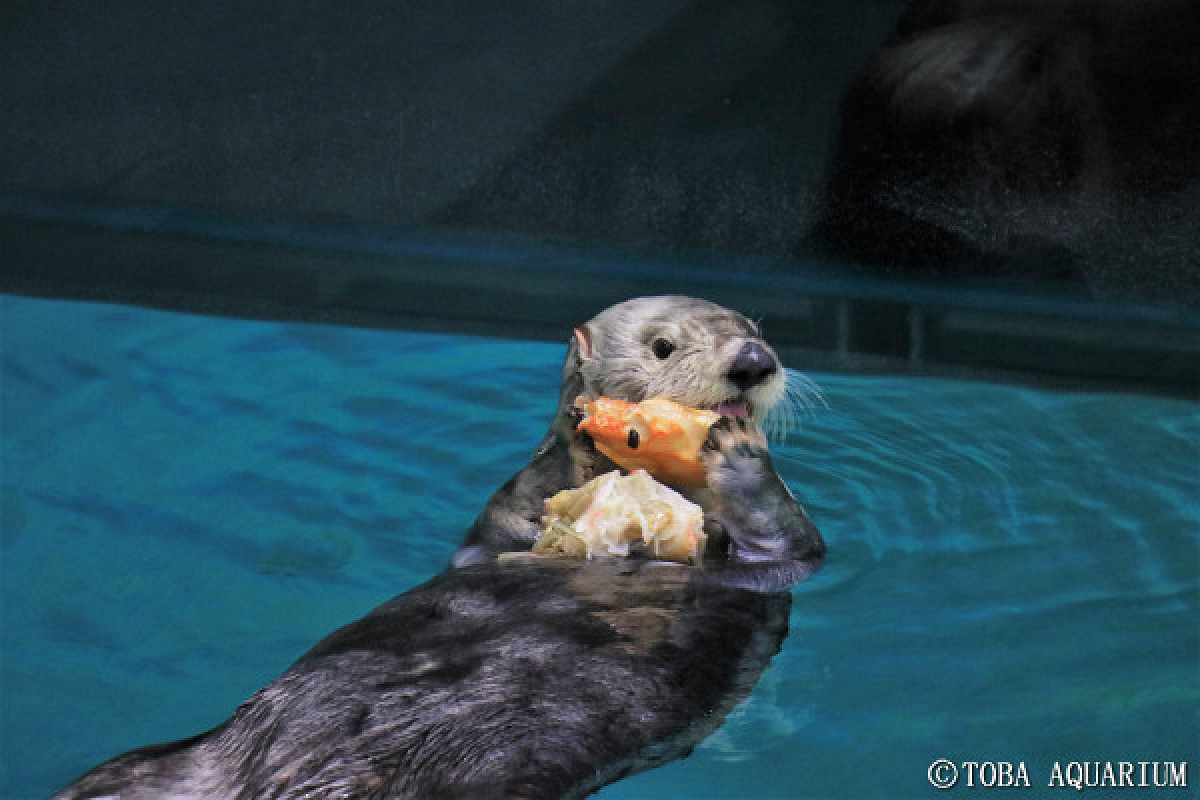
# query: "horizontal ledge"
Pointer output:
{"type": "Point", "coordinates": [492, 285]}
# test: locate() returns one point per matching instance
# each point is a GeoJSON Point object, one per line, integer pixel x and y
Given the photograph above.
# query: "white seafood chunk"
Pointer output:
{"type": "Point", "coordinates": [614, 513]}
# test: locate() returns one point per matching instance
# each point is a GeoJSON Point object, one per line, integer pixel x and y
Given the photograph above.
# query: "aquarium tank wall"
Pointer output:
{"type": "Point", "coordinates": [884, 159]}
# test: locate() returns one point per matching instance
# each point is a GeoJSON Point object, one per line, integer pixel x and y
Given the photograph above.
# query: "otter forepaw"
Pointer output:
{"type": "Point", "coordinates": [765, 525]}
{"type": "Point", "coordinates": [735, 456]}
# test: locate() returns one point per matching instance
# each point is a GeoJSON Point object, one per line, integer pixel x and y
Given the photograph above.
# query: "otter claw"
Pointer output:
{"type": "Point", "coordinates": [733, 434]}
{"type": "Point", "coordinates": [723, 425]}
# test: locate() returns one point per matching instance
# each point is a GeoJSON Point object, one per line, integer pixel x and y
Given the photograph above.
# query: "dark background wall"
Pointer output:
{"type": "Point", "coordinates": [1053, 141]}
{"type": "Point", "coordinates": [408, 112]}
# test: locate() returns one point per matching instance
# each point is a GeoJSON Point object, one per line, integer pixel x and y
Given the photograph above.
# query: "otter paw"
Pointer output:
{"type": "Point", "coordinates": [751, 504]}
{"type": "Point", "coordinates": [735, 455]}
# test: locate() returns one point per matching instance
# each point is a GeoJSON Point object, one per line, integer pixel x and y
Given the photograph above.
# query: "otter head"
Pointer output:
{"type": "Point", "coordinates": [690, 351]}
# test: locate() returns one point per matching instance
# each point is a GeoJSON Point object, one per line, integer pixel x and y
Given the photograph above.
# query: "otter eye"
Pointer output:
{"type": "Point", "coordinates": [633, 439]}
{"type": "Point", "coordinates": [662, 347]}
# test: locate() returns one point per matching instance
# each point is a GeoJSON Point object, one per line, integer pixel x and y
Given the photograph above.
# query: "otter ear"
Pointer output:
{"type": "Point", "coordinates": [579, 351]}
{"type": "Point", "coordinates": [583, 341]}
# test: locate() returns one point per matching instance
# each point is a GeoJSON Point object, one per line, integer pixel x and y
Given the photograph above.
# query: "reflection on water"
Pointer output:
{"type": "Point", "coordinates": [190, 504]}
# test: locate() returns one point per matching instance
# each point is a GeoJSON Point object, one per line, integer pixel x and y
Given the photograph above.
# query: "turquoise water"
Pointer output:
{"type": "Point", "coordinates": [190, 503]}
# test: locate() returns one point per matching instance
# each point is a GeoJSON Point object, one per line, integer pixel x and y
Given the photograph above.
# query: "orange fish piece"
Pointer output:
{"type": "Point", "coordinates": [657, 435]}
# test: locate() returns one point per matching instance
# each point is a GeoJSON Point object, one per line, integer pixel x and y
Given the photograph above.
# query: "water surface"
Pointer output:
{"type": "Point", "coordinates": [189, 503]}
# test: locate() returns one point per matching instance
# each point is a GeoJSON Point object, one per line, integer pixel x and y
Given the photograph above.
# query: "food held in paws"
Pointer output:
{"type": "Point", "coordinates": [616, 515]}
{"type": "Point", "coordinates": [657, 435]}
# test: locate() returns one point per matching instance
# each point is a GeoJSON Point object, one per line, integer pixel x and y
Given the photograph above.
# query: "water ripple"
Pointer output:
{"type": "Point", "coordinates": [1010, 572]}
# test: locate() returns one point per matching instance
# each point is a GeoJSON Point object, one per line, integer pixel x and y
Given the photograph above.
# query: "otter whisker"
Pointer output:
{"type": "Point", "coordinates": [807, 390]}
{"type": "Point", "coordinates": [801, 398]}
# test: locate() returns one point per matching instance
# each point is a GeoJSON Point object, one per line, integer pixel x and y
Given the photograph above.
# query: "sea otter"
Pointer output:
{"type": "Point", "coordinates": [698, 354]}
{"type": "Point", "coordinates": [504, 678]}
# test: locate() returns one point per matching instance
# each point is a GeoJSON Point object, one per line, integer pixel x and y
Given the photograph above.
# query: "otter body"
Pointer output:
{"type": "Point", "coordinates": [545, 679]}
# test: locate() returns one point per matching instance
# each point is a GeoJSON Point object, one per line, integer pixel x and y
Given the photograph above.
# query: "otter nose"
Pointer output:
{"type": "Point", "coordinates": [752, 366]}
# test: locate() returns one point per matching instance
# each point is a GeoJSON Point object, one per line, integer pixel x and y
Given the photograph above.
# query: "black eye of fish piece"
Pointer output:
{"type": "Point", "coordinates": [633, 439]}
{"type": "Point", "coordinates": [662, 347]}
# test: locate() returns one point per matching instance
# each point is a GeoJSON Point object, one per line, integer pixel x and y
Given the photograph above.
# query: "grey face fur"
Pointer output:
{"type": "Point", "coordinates": [676, 347]}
